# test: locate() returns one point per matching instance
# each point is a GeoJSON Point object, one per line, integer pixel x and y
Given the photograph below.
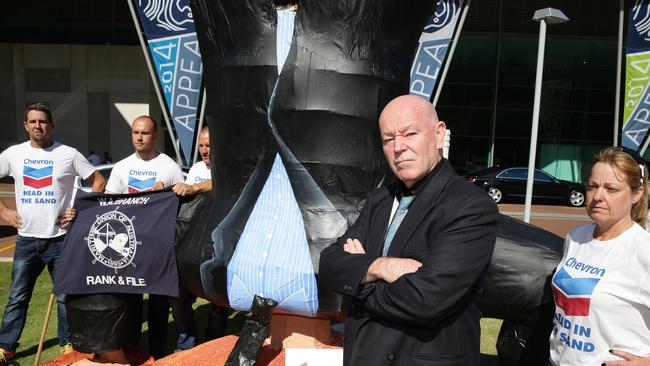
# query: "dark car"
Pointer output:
{"type": "Point", "coordinates": [510, 183]}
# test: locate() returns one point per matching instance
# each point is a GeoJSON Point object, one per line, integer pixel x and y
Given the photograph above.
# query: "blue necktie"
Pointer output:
{"type": "Point", "coordinates": [402, 209]}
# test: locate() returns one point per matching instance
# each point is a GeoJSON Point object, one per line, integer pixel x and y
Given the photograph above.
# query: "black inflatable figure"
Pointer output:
{"type": "Point", "coordinates": [314, 113]}
{"type": "Point", "coordinates": [346, 60]}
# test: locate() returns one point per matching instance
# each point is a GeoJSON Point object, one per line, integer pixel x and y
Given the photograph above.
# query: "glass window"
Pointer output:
{"type": "Point", "coordinates": [541, 176]}
{"type": "Point", "coordinates": [514, 173]}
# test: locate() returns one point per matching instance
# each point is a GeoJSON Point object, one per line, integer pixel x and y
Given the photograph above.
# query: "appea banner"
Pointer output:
{"type": "Point", "coordinates": [170, 37]}
{"type": "Point", "coordinates": [636, 113]}
{"type": "Point", "coordinates": [434, 42]}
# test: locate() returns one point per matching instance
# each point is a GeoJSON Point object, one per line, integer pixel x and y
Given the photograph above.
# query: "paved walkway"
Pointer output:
{"type": "Point", "coordinates": [556, 219]}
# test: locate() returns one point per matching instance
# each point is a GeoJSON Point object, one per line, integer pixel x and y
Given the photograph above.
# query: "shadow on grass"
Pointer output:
{"type": "Point", "coordinates": [31, 351]}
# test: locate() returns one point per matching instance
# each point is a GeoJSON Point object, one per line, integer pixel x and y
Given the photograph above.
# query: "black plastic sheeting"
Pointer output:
{"type": "Point", "coordinates": [104, 322]}
{"type": "Point", "coordinates": [347, 60]}
{"type": "Point", "coordinates": [517, 289]}
{"type": "Point", "coordinates": [517, 283]}
{"type": "Point", "coordinates": [253, 333]}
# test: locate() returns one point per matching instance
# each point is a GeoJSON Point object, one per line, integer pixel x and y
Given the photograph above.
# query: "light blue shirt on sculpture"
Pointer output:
{"type": "Point", "coordinates": [284, 35]}
{"type": "Point", "coordinates": [272, 256]}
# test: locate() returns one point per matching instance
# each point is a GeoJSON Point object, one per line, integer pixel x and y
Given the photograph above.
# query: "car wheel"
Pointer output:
{"type": "Point", "coordinates": [495, 193]}
{"type": "Point", "coordinates": [576, 198]}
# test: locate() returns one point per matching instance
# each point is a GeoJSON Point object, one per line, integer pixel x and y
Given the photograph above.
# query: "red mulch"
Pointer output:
{"type": "Point", "coordinates": [135, 357]}
{"type": "Point", "coordinates": [209, 353]}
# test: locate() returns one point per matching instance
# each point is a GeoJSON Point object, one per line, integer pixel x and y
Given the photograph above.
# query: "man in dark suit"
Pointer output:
{"type": "Point", "coordinates": [414, 285]}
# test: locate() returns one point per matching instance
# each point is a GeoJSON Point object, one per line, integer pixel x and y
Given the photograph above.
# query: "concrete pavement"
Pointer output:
{"type": "Point", "coordinates": [556, 219]}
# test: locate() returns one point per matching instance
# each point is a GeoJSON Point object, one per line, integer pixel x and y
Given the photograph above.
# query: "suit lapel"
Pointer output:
{"type": "Point", "coordinates": [380, 222]}
{"type": "Point", "coordinates": [424, 203]}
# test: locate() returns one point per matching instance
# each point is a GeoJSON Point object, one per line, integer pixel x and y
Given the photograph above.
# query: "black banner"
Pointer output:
{"type": "Point", "coordinates": [120, 243]}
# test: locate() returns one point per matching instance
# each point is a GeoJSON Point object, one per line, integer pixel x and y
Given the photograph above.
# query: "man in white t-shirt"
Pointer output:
{"type": "Point", "coordinates": [147, 169]}
{"type": "Point", "coordinates": [198, 179]}
{"type": "Point", "coordinates": [44, 172]}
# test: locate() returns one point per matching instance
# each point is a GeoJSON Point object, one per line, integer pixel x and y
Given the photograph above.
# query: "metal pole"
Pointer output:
{"type": "Point", "coordinates": [195, 158]}
{"type": "Point", "coordinates": [619, 60]}
{"type": "Point", "coordinates": [154, 81]}
{"type": "Point", "coordinates": [493, 126]}
{"type": "Point", "coordinates": [645, 146]}
{"type": "Point", "coordinates": [533, 132]}
{"type": "Point", "coordinates": [451, 52]}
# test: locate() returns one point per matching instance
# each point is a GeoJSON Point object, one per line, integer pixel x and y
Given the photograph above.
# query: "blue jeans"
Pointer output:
{"type": "Point", "coordinates": [30, 258]}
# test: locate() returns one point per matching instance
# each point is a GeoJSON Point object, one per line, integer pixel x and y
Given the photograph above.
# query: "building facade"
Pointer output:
{"type": "Point", "coordinates": [84, 58]}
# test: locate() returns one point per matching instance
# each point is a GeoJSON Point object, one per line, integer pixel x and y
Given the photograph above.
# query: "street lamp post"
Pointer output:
{"type": "Point", "coordinates": [543, 16]}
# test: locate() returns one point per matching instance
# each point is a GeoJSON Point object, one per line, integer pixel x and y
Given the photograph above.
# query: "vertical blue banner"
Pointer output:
{"type": "Point", "coordinates": [432, 48]}
{"type": "Point", "coordinates": [168, 29]}
{"type": "Point", "coordinates": [636, 115]}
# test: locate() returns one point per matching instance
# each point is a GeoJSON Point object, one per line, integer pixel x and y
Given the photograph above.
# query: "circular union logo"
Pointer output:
{"type": "Point", "coordinates": [112, 240]}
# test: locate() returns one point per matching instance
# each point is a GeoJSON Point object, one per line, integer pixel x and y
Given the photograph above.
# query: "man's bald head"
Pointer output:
{"type": "Point", "coordinates": [417, 106]}
{"type": "Point", "coordinates": [143, 136]}
{"type": "Point", "coordinates": [412, 137]}
{"type": "Point", "coordinates": [148, 120]}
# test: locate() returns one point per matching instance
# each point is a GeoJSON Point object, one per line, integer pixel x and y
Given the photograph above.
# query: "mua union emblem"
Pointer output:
{"type": "Point", "coordinates": [112, 240]}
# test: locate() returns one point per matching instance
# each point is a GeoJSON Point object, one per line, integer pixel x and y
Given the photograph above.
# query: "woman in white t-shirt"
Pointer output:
{"type": "Point", "coordinates": [602, 284]}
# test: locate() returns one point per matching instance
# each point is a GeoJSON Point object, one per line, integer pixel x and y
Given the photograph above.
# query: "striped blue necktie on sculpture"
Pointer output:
{"type": "Point", "coordinates": [402, 209]}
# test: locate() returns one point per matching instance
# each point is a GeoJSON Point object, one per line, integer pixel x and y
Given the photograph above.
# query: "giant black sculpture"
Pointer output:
{"type": "Point", "coordinates": [347, 59]}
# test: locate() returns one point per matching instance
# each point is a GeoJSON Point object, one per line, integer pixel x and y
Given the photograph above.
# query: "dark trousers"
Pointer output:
{"type": "Point", "coordinates": [217, 322]}
{"type": "Point", "coordinates": [184, 319]}
{"type": "Point", "coordinates": [31, 256]}
{"type": "Point", "coordinates": [157, 318]}
{"type": "Point", "coordinates": [186, 324]}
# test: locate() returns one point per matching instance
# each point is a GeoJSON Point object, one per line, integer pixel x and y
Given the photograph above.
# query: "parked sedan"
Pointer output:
{"type": "Point", "coordinates": [510, 183]}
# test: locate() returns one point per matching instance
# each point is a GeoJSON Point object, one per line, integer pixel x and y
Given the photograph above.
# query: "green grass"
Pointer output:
{"type": "Point", "coordinates": [489, 332]}
{"type": "Point", "coordinates": [35, 316]}
{"type": "Point", "coordinates": [38, 306]}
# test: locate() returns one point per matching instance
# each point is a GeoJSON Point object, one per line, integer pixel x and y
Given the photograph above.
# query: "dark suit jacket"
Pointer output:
{"type": "Point", "coordinates": [428, 317]}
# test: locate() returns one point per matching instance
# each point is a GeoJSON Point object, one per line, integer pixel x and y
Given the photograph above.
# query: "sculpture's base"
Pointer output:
{"type": "Point", "coordinates": [294, 331]}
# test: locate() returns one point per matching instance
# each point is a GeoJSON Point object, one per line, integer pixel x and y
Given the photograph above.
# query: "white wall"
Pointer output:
{"type": "Point", "coordinates": [93, 91]}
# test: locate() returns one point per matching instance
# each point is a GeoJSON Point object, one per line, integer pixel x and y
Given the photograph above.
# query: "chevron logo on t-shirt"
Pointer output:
{"type": "Point", "coordinates": [573, 295]}
{"type": "Point", "coordinates": [136, 185]}
{"type": "Point", "coordinates": [37, 177]}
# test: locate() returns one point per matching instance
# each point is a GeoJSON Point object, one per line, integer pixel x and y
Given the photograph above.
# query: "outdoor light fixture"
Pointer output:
{"type": "Point", "coordinates": [543, 16]}
{"type": "Point", "coordinates": [550, 16]}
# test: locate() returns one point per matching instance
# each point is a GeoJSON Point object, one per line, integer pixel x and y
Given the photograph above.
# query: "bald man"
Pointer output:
{"type": "Point", "coordinates": [145, 170]}
{"type": "Point", "coordinates": [198, 179]}
{"type": "Point", "coordinates": [414, 260]}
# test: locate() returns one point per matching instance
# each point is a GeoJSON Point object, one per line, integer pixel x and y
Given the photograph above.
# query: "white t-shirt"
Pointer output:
{"type": "Point", "coordinates": [44, 184]}
{"type": "Point", "coordinates": [198, 173]}
{"type": "Point", "coordinates": [602, 297]}
{"type": "Point", "coordinates": [132, 174]}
